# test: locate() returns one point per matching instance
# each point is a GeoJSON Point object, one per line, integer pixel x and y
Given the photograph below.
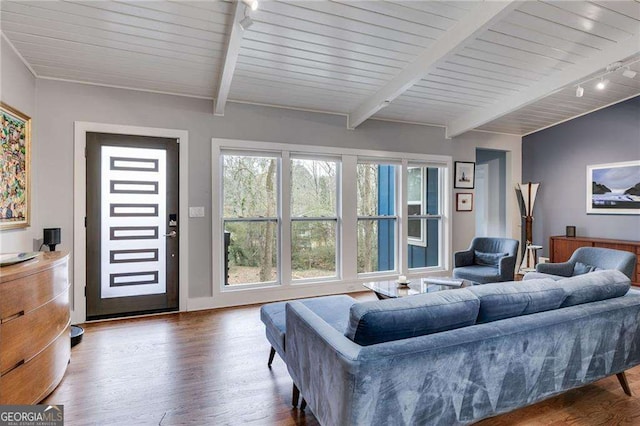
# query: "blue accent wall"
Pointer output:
{"type": "Point", "coordinates": [386, 197]}
{"type": "Point", "coordinates": [418, 256]}
{"type": "Point", "coordinates": [558, 157]}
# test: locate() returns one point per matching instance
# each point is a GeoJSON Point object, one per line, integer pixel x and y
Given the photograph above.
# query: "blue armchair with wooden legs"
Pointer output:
{"type": "Point", "coordinates": [488, 260]}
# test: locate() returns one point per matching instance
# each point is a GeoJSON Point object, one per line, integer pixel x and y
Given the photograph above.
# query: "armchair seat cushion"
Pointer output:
{"type": "Point", "coordinates": [478, 274]}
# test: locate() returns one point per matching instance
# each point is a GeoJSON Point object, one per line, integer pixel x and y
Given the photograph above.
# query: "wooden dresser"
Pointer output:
{"type": "Point", "coordinates": [35, 343]}
{"type": "Point", "coordinates": [561, 248]}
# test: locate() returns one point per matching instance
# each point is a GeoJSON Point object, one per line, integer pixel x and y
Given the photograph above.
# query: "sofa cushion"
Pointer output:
{"type": "Point", "coordinates": [488, 259]}
{"type": "Point", "coordinates": [597, 285]}
{"type": "Point", "coordinates": [511, 299]}
{"type": "Point", "coordinates": [580, 268]}
{"type": "Point", "coordinates": [395, 319]}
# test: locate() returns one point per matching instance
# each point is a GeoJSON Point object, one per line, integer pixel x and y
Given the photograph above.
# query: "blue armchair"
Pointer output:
{"type": "Point", "coordinates": [488, 260]}
{"type": "Point", "coordinates": [587, 259]}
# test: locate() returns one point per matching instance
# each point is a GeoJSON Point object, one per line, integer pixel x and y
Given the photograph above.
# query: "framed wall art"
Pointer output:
{"type": "Point", "coordinates": [15, 153]}
{"type": "Point", "coordinates": [464, 175]}
{"type": "Point", "coordinates": [614, 188]}
{"type": "Point", "coordinates": [464, 202]}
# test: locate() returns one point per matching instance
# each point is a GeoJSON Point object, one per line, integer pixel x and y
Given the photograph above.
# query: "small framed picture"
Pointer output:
{"type": "Point", "coordinates": [464, 202]}
{"type": "Point", "coordinates": [465, 175]}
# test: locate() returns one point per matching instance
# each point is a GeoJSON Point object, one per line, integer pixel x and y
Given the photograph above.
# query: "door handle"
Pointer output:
{"type": "Point", "coordinates": [171, 234]}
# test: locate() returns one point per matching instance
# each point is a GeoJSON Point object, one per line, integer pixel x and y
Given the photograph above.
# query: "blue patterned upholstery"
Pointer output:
{"type": "Point", "coordinates": [601, 258]}
{"type": "Point", "coordinates": [332, 309]}
{"type": "Point", "coordinates": [463, 375]}
{"type": "Point", "coordinates": [467, 267]}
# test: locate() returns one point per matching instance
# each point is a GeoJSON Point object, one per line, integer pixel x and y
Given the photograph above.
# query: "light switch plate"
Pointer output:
{"type": "Point", "coordinates": [196, 211]}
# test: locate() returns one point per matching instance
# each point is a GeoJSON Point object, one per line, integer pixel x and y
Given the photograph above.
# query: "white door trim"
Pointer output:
{"type": "Point", "coordinates": [79, 304]}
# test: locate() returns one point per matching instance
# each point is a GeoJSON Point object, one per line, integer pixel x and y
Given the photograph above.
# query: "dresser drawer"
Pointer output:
{"type": "Point", "coordinates": [24, 336]}
{"type": "Point", "coordinates": [27, 293]}
{"type": "Point", "coordinates": [34, 380]}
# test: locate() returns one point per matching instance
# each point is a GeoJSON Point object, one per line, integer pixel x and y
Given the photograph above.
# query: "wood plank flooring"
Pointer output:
{"type": "Point", "coordinates": [210, 368]}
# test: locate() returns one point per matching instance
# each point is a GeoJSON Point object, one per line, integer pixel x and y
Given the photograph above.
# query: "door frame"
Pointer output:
{"type": "Point", "coordinates": [79, 302]}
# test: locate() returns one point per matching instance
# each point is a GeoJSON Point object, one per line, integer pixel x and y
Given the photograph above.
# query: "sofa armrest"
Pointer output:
{"type": "Point", "coordinates": [463, 258]}
{"type": "Point", "coordinates": [564, 269]}
{"type": "Point", "coordinates": [507, 267]}
{"type": "Point", "coordinates": [321, 362]}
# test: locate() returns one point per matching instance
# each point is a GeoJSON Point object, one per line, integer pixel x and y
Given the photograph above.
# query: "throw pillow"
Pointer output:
{"type": "Point", "coordinates": [488, 259]}
{"type": "Point", "coordinates": [580, 268]}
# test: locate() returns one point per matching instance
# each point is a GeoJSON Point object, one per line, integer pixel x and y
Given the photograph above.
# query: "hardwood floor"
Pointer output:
{"type": "Point", "coordinates": [210, 368]}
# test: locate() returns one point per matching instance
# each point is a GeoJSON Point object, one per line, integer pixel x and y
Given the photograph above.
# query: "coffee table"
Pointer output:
{"type": "Point", "coordinates": [391, 289]}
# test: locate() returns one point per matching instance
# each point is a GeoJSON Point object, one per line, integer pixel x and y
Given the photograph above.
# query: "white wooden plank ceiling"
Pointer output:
{"type": "Point", "coordinates": [515, 72]}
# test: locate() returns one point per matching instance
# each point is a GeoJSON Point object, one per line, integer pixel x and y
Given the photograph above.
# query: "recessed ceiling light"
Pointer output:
{"type": "Point", "coordinates": [579, 91]}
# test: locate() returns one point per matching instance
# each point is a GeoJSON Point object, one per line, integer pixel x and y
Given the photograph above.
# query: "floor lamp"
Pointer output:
{"type": "Point", "coordinates": [528, 192]}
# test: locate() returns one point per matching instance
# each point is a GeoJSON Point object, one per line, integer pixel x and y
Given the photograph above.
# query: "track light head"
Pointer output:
{"type": "Point", "coordinates": [579, 91]}
{"type": "Point", "coordinates": [602, 84]}
{"type": "Point", "coordinates": [629, 73]}
{"type": "Point", "coordinates": [246, 22]}
{"type": "Point", "coordinates": [252, 4]}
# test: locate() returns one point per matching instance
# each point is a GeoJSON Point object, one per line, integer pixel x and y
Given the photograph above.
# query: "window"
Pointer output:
{"type": "Point", "coordinates": [377, 220]}
{"type": "Point", "coordinates": [250, 215]}
{"type": "Point", "coordinates": [303, 216]}
{"type": "Point", "coordinates": [314, 218]}
{"type": "Point", "coordinates": [425, 212]}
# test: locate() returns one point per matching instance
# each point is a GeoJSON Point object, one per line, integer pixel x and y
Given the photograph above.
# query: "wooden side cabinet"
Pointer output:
{"type": "Point", "coordinates": [561, 248]}
{"type": "Point", "coordinates": [35, 341]}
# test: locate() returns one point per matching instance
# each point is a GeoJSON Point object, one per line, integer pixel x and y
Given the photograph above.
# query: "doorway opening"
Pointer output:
{"type": "Point", "coordinates": [491, 193]}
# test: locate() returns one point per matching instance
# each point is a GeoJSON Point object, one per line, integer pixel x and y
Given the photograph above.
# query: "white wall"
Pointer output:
{"type": "Point", "coordinates": [465, 150]}
{"type": "Point", "coordinates": [59, 104]}
{"type": "Point", "coordinates": [18, 90]}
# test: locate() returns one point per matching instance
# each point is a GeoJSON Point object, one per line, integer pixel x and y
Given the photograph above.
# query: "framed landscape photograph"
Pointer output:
{"type": "Point", "coordinates": [464, 175]}
{"type": "Point", "coordinates": [15, 152]}
{"type": "Point", "coordinates": [464, 202]}
{"type": "Point", "coordinates": [614, 188]}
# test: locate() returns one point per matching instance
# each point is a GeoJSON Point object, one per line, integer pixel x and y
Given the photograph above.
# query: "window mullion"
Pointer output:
{"type": "Point", "coordinates": [349, 205]}
{"type": "Point", "coordinates": [285, 214]}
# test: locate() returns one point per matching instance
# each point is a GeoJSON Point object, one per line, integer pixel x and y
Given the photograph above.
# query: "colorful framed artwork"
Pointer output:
{"type": "Point", "coordinates": [464, 175]}
{"type": "Point", "coordinates": [614, 188]}
{"type": "Point", "coordinates": [464, 202]}
{"type": "Point", "coordinates": [15, 156]}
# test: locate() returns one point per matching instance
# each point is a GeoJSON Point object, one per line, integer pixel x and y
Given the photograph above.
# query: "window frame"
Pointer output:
{"type": "Point", "coordinates": [348, 279]}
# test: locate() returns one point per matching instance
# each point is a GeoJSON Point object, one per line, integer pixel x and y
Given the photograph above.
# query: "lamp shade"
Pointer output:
{"type": "Point", "coordinates": [51, 237]}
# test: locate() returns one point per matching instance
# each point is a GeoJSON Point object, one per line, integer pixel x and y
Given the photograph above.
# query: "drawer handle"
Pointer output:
{"type": "Point", "coordinates": [12, 317]}
{"type": "Point", "coordinates": [18, 364]}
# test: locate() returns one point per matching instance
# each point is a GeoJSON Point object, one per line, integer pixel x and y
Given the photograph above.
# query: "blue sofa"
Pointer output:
{"type": "Point", "coordinates": [458, 356]}
{"type": "Point", "coordinates": [487, 260]}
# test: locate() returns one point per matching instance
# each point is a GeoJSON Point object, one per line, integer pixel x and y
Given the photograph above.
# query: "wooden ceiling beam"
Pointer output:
{"type": "Point", "coordinates": [454, 40]}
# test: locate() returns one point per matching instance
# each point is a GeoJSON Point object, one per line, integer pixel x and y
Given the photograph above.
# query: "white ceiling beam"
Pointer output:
{"type": "Point", "coordinates": [571, 75]}
{"type": "Point", "coordinates": [464, 32]}
{"type": "Point", "coordinates": [230, 60]}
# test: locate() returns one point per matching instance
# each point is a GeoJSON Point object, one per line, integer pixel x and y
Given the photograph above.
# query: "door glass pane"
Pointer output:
{"type": "Point", "coordinates": [133, 222]}
{"type": "Point", "coordinates": [253, 252]}
{"type": "Point", "coordinates": [376, 243]}
{"type": "Point", "coordinates": [250, 186]}
{"type": "Point", "coordinates": [313, 249]}
{"type": "Point", "coordinates": [313, 188]}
